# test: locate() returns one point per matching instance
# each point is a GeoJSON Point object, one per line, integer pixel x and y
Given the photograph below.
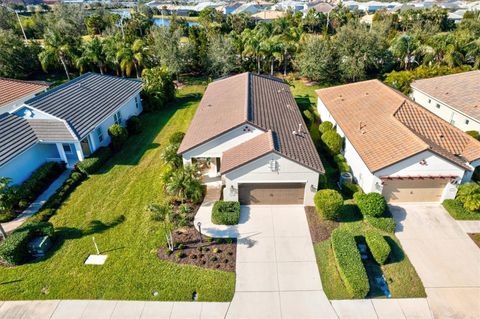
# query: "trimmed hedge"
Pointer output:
{"type": "Point", "coordinates": [371, 204]}
{"type": "Point", "coordinates": [14, 250]}
{"type": "Point", "coordinates": [37, 183]}
{"type": "Point", "coordinates": [325, 126]}
{"type": "Point", "coordinates": [328, 203]}
{"type": "Point", "coordinates": [349, 263]}
{"type": "Point", "coordinates": [134, 125]}
{"type": "Point", "coordinates": [176, 138]}
{"type": "Point", "coordinates": [378, 246]}
{"type": "Point", "coordinates": [308, 115]}
{"type": "Point", "coordinates": [333, 142]}
{"type": "Point", "coordinates": [387, 224]}
{"type": "Point", "coordinates": [119, 135]}
{"type": "Point", "coordinates": [349, 189]}
{"type": "Point", "coordinates": [341, 163]}
{"type": "Point", "coordinates": [56, 200]}
{"type": "Point", "coordinates": [93, 163]}
{"type": "Point", "coordinates": [226, 212]}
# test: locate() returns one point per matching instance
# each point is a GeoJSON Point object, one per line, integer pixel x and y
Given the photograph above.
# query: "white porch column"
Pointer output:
{"type": "Point", "coordinates": [78, 149]}
{"type": "Point", "coordinates": [61, 151]}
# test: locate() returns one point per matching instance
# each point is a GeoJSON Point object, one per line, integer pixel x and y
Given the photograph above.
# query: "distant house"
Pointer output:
{"type": "Point", "coordinates": [250, 130]}
{"type": "Point", "coordinates": [67, 123]}
{"type": "Point", "coordinates": [455, 98]}
{"type": "Point", "coordinates": [250, 7]}
{"type": "Point", "coordinates": [268, 15]}
{"type": "Point", "coordinates": [229, 8]}
{"type": "Point", "coordinates": [14, 92]}
{"type": "Point", "coordinates": [320, 7]}
{"type": "Point", "coordinates": [396, 147]}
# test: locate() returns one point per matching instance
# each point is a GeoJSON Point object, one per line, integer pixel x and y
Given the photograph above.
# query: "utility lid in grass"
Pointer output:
{"type": "Point", "coordinates": [96, 259]}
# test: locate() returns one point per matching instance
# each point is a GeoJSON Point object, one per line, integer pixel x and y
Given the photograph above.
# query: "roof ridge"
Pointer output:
{"type": "Point", "coordinates": [43, 83]}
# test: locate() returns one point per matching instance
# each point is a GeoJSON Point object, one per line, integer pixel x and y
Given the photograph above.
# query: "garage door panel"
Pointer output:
{"type": "Point", "coordinates": [414, 190]}
{"type": "Point", "coordinates": [271, 193]}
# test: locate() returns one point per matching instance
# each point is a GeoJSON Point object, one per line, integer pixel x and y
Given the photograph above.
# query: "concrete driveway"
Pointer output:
{"type": "Point", "coordinates": [277, 275]}
{"type": "Point", "coordinates": [446, 259]}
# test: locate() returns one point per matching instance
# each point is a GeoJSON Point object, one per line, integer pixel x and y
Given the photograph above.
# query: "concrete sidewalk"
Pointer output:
{"type": "Point", "coordinates": [37, 203]}
{"type": "Point", "coordinates": [469, 226]}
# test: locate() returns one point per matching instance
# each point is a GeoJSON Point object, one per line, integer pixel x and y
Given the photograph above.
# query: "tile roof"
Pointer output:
{"type": "Point", "coordinates": [12, 90]}
{"type": "Point", "coordinates": [386, 127]}
{"type": "Point", "coordinates": [16, 136]}
{"type": "Point", "coordinates": [87, 100]}
{"type": "Point", "coordinates": [460, 91]}
{"type": "Point", "coordinates": [51, 130]}
{"type": "Point", "coordinates": [247, 151]}
{"type": "Point", "coordinates": [262, 101]}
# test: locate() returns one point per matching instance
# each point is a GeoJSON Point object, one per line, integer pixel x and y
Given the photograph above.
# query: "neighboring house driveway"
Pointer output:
{"type": "Point", "coordinates": [446, 259]}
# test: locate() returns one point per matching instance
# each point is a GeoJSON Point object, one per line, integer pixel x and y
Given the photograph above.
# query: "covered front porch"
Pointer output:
{"type": "Point", "coordinates": [69, 152]}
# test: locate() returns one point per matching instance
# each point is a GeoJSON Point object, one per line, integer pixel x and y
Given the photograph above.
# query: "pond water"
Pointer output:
{"type": "Point", "coordinates": [157, 21]}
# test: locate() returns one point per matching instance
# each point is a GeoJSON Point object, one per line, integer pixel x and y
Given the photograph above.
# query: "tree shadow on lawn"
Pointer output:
{"type": "Point", "coordinates": [303, 102]}
{"type": "Point", "coordinates": [152, 124]}
{"type": "Point", "coordinates": [396, 255]}
{"type": "Point", "coordinates": [373, 271]}
{"type": "Point", "coordinates": [62, 234]}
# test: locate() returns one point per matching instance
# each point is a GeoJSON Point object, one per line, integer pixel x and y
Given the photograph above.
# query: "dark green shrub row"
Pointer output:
{"type": "Point", "coordinates": [14, 250]}
{"type": "Point", "coordinates": [56, 200]}
{"type": "Point", "coordinates": [309, 117]}
{"type": "Point", "coordinates": [385, 223]}
{"type": "Point", "coordinates": [134, 125]}
{"type": "Point", "coordinates": [341, 163]}
{"type": "Point", "coordinates": [349, 188]}
{"type": "Point", "coordinates": [92, 164]}
{"type": "Point", "coordinates": [176, 138]}
{"type": "Point", "coordinates": [378, 246]}
{"type": "Point", "coordinates": [38, 182]}
{"type": "Point", "coordinates": [118, 135]}
{"type": "Point", "coordinates": [226, 212]}
{"type": "Point", "coordinates": [325, 126]}
{"type": "Point", "coordinates": [333, 142]}
{"type": "Point", "coordinates": [349, 263]}
{"type": "Point", "coordinates": [328, 203]}
{"type": "Point", "coordinates": [371, 204]}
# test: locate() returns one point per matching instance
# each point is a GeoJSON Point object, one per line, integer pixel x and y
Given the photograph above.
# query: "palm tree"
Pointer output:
{"type": "Point", "coordinates": [110, 48]}
{"type": "Point", "coordinates": [170, 156]}
{"type": "Point", "coordinates": [92, 54]}
{"type": "Point", "coordinates": [472, 50]}
{"type": "Point", "coordinates": [56, 49]}
{"type": "Point", "coordinates": [131, 57]}
{"type": "Point", "coordinates": [252, 46]}
{"type": "Point", "coordinates": [165, 214]}
{"type": "Point", "coordinates": [271, 51]}
{"type": "Point", "coordinates": [403, 48]}
{"type": "Point", "coordinates": [288, 39]}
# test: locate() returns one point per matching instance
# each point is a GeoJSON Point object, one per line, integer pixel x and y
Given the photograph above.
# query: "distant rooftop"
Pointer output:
{"type": "Point", "coordinates": [12, 90]}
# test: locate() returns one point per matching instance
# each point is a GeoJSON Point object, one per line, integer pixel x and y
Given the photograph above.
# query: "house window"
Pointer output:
{"type": "Point", "coordinates": [429, 101]}
{"type": "Point", "coordinates": [99, 134]}
{"type": "Point", "coordinates": [438, 106]}
{"type": "Point", "coordinates": [67, 148]}
{"type": "Point", "coordinates": [467, 121]}
{"type": "Point", "coordinates": [137, 102]}
{"type": "Point", "coordinates": [117, 118]}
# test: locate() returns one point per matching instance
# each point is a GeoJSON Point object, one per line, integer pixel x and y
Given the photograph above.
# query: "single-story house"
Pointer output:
{"type": "Point", "coordinates": [14, 92]}
{"type": "Point", "coordinates": [251, 130]}
{"type": "Point", "coordinates": [455, 98]}
{"type": "Point", "coordinates": [67, 123]}
{"type": "Point", "coordinates": [396, 147]}
{"type": "Point", "coordinates": [268, 15]}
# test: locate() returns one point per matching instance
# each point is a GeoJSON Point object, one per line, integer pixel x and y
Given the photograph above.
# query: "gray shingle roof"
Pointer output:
{"type": "Point", "coordinates": [16, 136]}
{"type": "Point", "coordinates": [87, 100]}
{"type": "Point", "coordinates": [51, 130]}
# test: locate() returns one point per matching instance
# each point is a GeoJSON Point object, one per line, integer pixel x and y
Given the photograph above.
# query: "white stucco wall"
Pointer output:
{"type": "Point", "coordinates": [127, 110]}
{"type": "Point", "coordinates": [259, 171]}
{"type": "Point", "coordinates": [447, 113]}
{"type": "Point", "coordinates": [220, 144]}
{"type": "Point", "coordinates": [22, 166]}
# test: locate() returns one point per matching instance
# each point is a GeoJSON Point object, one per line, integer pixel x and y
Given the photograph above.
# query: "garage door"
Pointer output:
{"type": "Point", "coordinates": [271, 193]}
{"type": "Point", "coordinates": [414, 190]}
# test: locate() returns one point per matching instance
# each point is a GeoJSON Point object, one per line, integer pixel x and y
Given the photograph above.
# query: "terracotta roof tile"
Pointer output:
{"type": "Point", "coordinates": [11, 89]}
{"type": "Point", "coordinates": [385, 127]}
{"type": "Point", "coordinates": [460, 91]}
{"type": "Point", "coordinates": [247, 151]}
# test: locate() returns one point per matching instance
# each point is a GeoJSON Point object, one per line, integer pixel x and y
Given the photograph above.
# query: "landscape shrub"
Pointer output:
{"type": "Point", "coordinates": [474, 134]}
{"type": "Point", "coordinates": [333, 142]}
{"type": "Point", "coordinates": [350, 188]}
{"type": "Point", "coordinates": [134, 125]}
{"type": "Point", "coordinates": [458, 211]}
{"type": "Point", "coordinates": [341, 163]}
{"type": "Point", "coordinates": [176, 138]}
{"type": "Point", "coordinates": [328, 203]}
{"type": "Point", "coordinates": [118, 135]}
{"type": "Point", "coordinates": [378, 246]}
{"type": "Point", "coordinates": [310, 118]}
{"type": "Point", "coordinates": [384, 223]}
{"type": "Point", "coordinates": [371, 204]}
{"type": "Point", "coordinates": [325, 126]}
{"type": "Point", "coordinates": [92, 164]}
{"type": "Point", "coordinates": [37, 183]}
{"type": "Point", "coordinates": [349, 263]}
{"type": "Point", "coordinates": [469, 195]}
{"type": "Point", "coordinates": [226, 212]}
{"type": "Point", "coordinates": [14, 249]}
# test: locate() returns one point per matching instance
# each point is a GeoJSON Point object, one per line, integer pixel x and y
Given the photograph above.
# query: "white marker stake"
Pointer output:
{"type": "Point", "coordinates": [96, 247]}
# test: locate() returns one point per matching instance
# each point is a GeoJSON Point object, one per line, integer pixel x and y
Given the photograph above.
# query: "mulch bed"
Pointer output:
{"type": "Point", "coordinates": [211, 253]}
{"type": "Point", "coordinates": [475, 238]}
{"type": "Point", "coordinates": [320, 230]}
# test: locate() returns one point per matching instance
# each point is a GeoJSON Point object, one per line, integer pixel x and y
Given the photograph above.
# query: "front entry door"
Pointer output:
{"type": "Point", "coordinates": [85, 147]}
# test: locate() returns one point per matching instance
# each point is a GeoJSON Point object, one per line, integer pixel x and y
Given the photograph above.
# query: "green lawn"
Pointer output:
{"type": "Point", "coordinates": [110, 207]}
{"type": "Point", "coordinates": [457, 211]}
{"type": "Point", "coordinates": [402, 279]}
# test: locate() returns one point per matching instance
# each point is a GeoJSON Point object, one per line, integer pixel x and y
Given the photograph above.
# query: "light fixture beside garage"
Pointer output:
{"type": "Point", "coordinates": [423, 162]}
{"type": "Point", "coordinates": [273, 165]}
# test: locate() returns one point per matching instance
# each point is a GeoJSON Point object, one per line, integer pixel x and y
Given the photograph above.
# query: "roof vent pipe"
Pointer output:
{"type": "Point", "coordinates": [300, 128]}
